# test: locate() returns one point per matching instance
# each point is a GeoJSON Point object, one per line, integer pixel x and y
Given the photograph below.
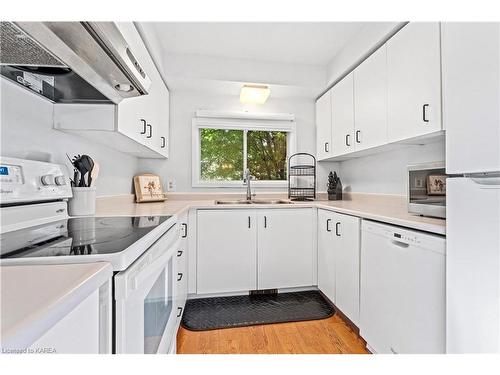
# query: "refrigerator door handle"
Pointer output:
{"type": "Point", "coordinates": [487, 182]}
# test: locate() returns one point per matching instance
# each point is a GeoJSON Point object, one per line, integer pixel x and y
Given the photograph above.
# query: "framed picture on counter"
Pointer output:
{"type": "Point", "coordinates": [436, 184]}
{"type": "Point", "coordinates": [148, 188]}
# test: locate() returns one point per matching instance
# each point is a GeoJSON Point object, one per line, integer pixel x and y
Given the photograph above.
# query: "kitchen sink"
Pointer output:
{"type": "Point", "coordinates": [254, 201]}
{"type": "Point", "coordinates": [239, 201]}
{"type": "Point", "coordinates": [271, 201]}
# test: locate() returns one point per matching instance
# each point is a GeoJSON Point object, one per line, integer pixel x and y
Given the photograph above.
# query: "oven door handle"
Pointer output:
{"type": "Point", "coordinates": [150, 269]}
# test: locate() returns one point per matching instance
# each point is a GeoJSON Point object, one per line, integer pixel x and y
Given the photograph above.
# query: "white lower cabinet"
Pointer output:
{"type": "Point", "coordinates": [247, 249]}
{"type": "Point", "coordinates": [226, 251]}
{"type": "Point", "coordinates": [285, 248]}
{"type": "Point", "coordinates": [326, 254]}
{"type": "Point", "coordinates": [182, 266]}
{"type": "Point", "coordinates": [338, 260]}
{"type": "Point", "coordinates": [347, 252]}
{"type": "Point", "coordinates": [82, 331]}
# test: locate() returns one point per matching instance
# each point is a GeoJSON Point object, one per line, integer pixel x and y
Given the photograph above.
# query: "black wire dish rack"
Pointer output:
{"type": "Point", "coordinates": [301, 177]}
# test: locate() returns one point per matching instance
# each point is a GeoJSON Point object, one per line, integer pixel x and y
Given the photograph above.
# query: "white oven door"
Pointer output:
{"type": "Point", "coordinates": [144, 295]}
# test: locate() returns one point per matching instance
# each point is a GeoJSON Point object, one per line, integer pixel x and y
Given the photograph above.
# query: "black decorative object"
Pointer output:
{"type": "Point", "coordinates": [203, 314]}
{"type": "Point", "coordinates": [334, 187]}
{"type": "Point", "coordinates": [302, 177]}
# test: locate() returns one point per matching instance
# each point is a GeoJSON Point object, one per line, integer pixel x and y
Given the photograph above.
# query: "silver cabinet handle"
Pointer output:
{"type": "Point", "coordinates": [249, 222]}
{"type": "Point", "coordinates": [327, 147]}
{"type": "Point", "coordinates": [185, 226]}
{"type": "Point", "coordinates": [179, 311]}
{"type": "Point", "coordinates": [163, 142]}
{"type": "Point", "coordinates": [328, 221]}
{"type": "Point", "coordinates": [265, 221]}
{"type": "Point", "coordinates": [150, 131]}
{"type": "Point", "coordinates": [179, 253]}
{"type": "Point", "coordinates": [358, 132]}
{"type": "Point", "coordinates": [143, 131]}
{"type": "Point", "coordinates": [179, 276]}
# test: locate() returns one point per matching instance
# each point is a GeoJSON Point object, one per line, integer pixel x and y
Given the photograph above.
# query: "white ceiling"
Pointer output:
{"type": "Point", "coordinates": [311, 43]}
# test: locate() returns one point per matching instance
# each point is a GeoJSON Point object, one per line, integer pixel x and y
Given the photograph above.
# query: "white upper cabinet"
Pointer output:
{"type": "Point", "coordinates": [370, 101]}
{"type": "Point", "coordinates": [285, 248]}
{"type": "Point", "coordinates": [471, 96]}
{"type": "Point", "coordinates": [414, 81]}
{"type": "Point", "coordinates": [138, 125]}
{"type": "Point", "coordinates": [324, 126]}
{"type": "Point", "coordinates": [343, 116]}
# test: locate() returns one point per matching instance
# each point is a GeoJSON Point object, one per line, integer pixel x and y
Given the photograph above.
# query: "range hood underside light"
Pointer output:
{"type": "Point", "coordinates": [254, 94]}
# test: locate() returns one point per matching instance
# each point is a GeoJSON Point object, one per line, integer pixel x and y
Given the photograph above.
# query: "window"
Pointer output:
{"type": "Point", "coordinates": [224, 148]}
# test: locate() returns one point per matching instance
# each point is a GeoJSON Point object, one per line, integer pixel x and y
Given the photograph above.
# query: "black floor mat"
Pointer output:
{"type": "Point", "coordinates": [240, 311]}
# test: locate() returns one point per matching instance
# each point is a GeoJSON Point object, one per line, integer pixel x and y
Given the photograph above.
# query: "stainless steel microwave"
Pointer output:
{"type": "Point", "coordinates": [427, 189]}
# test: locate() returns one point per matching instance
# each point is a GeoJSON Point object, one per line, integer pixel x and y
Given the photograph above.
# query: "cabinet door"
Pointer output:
{"type": "Point", "coordinates": [370, 101]}
{"type": "Point", "coordinates": [414, 81]}
{"type": "Point", "coordinates": [347, 233]}
{"type": "Point", "coordinates": [134, 114]}
{"type": "Point", "coordinates": [343, 116]}
{"type": "Point", "coordinates": [326, 254]}
{"type": "Point", "coordinates": [227, 251]}
{"type": "Point", "coordinates": [285, 248]}
{"type": "Point", "coordinates": [162, 123]}
{"type": "Point", "coordinates": [324, 126]}
{"type": "Point", "coordinates": [471, 96]}
{"type": "Point", "coordinates": [182, 263]}
{"type": "Point", "coordinates": [77, 332]}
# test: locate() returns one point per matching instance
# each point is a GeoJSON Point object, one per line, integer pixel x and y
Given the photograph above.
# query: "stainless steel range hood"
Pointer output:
{"type": "Point", "coordinates": [71, 62]}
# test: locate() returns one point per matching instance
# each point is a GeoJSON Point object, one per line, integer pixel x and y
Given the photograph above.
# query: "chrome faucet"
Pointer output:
{"type": "Point", "coordinates": [246, 180]}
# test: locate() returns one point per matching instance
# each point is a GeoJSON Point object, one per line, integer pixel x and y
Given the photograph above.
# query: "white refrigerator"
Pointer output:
{"type": "Point", "coordinates": [471, 113]}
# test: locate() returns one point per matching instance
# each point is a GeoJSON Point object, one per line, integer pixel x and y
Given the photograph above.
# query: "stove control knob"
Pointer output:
{"type": "Point", "coordinates": [47, 180]}
{"type": "Point", "coordinates": [60, 180]}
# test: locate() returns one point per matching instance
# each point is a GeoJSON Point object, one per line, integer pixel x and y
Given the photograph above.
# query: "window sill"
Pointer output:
{"type": "Point", "coordinates": [239, 184]}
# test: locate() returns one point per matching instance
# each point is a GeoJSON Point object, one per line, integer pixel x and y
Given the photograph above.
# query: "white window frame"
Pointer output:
{"type": "Point", "coordinates": [238, 124]}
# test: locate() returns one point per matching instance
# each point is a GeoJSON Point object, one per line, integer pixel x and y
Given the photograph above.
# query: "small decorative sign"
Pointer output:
{"type": "Point", "coordinates": [436, 184]}
{"type": "Point", "coordinates": [148, 188]}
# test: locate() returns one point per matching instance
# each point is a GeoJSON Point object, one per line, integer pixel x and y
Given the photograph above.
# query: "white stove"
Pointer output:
{"type": "Point", "coordinates": [35, 226]}
{"type": "Point", "coordinates": [36, 229]}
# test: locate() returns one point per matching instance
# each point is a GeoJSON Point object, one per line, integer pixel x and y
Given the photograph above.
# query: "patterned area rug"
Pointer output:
{"type": "Point", "coordinates": [240, 311]}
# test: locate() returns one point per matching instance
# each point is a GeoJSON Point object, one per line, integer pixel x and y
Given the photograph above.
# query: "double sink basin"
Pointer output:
{"type": "Point", "coordinates": [254, 201]}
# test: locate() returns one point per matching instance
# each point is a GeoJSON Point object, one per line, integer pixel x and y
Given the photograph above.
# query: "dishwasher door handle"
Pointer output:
{"type": "Point", "coordinates": [403, 245]}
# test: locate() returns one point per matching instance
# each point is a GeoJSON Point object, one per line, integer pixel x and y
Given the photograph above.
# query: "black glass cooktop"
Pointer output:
{"type": "Point", "coordinates": [78, 236]}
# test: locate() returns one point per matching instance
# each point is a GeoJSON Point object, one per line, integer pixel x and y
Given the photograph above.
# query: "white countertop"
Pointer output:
{"type": "Point", "coordinates": [34, 298]}
{"type": "Point", "coordinates": [385, 208]}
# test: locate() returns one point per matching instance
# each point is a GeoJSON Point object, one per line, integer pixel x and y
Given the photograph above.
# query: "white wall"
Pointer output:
{"type": "Point", "coordinates": [26, 129]}
{"type": "Point", "coordinates": [385, 173]}
{"type": "Point", "coordinates": [358, 47]}
{"type": "Point", "coordinates": [183, 106]}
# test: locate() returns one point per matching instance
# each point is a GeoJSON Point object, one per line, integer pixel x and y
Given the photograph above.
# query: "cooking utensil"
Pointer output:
{"type": "Point", "coordinates": [88, 165]}
{"type": "Point", "coordinates": [79, 165]}
{"type": "Point", "coordinates": [93, 174]}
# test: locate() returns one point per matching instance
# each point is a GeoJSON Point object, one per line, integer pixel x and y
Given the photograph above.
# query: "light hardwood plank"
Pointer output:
{"type": "Point", "coordinates": [326, 336]}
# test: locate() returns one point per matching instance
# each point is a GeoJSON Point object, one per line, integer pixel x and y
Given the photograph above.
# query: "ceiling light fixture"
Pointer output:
{"type": "Point", "coordinates": [255, 94]}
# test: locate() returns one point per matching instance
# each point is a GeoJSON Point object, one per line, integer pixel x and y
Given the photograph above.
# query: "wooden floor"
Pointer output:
{"type": "Point", "coordinates": [326, 336]}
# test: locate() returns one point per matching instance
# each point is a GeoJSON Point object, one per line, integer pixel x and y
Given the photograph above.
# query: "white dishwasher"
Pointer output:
{"type": "Point", "coordinates": [402, 296]}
